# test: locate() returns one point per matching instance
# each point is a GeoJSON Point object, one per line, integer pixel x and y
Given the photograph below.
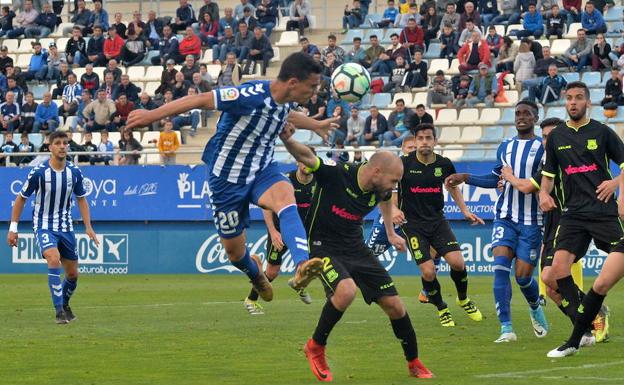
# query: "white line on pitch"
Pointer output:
{"type": "Point", "coordinates": [532, 373]}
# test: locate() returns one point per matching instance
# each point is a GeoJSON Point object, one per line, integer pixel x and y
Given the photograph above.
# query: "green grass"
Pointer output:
{"type": "Point", "coordinates": [193, 330]}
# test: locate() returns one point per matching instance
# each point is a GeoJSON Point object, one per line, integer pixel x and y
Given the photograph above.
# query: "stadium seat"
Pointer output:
{"type": "Point", "coordinates": [572, 29]}
{"type": "Point", "coordinates": [571, 76]}
{"type": "Point", "coordinates": [67, 126]}
{"type": "Point", "coordinates": [348, 37]}
{"type": "Point", "coordinates": [512, 99]}
{"type": "Point", "coordinates": [437, 64]}
{"type": "Point", "coordinates": [492, 134]}
{"type": "Point", "coordinates": [381, 100]}
{"type": "Point", "coordinates": [510, 132]}
{"type": "Point", "coordinates": [614, 13]}
{"type": "Point", "coordinates": [619, 118]}
{"type": "Point", "coordinates": [214, 70]}
{"type": "Point", "coordinates": [490, 155]}
{"type": "Point", "coordinates": [150, 136]}
{"type": "Point", "coordinates": [206, 57]}
{"type": "Point", "coordinates": [473, 155]}
{"type": "Point", "coordinates": [302, 136]}
{"type": "Point", "coordinates": [454, 68]}
{"type": "Point", "coordinates": [406, 96]}
{"type": "Point", "coordinates": [81, 71]}
{"type": "Point", "coordinates": [449, 135]}
{"type": "Point", "coordinates": [559, 47]}
{"type": "Point", "coordinates": [433, 52]}
{"type": "Point", "coordinates": [544, 43]}
{"type": "Point", "coordinates": [114, 137]}
{"type": "Point", "coordinates": [39, 90]}
{"type": "Point", "coordinates": [25, 46]}
{"type": "Point", "coordinates": [470, 135]}
{"type": "Point", "coordinates": [11, 44]}
{"type": "Point", "coordinates": [281, 25]}
{"type": "Point", "coordinates": [315, 139]}
{"type": "Point", "coordinates": [555, 112]}
{"type": "Point", "coordinates": [35, 139]}
{"type": "Point", "coordinates": [453, 152]}
{"type": "Point", "coordinates": [151, 87]}
{"type": "Point", "coordinates": [372, 19]}
{"type": "Point", "coordinates": [147, 60]}
{"type": "Point", "coordinates": [592, 79]}
{"type": "Point", "coordinates": [100, 72]}
{"type": "Point", "coordinates": [23, 60]}
{"type": "Point", "coordinates": [615, 29]}
{"type": "Point", "coordinates": [605, 78]}
{"type": "Point", "coordinates": [282, 157]}
{"type": "Point", "coordinates": [489, 116]}
{"type": "Point", "coordinates": [385, 113]}
{"type": "Point", "coordinates": [500, 29]}
{"type": "Point", "coordinates": [514, 27]}
{"type": "Point", "coordinates": [597, 113]}
{"type": "Point", "coordinates": [152, 73]}
{"type": "Point", "coordinates": [419, 98]}
{"type": "Point", "coordinates": [152, 159]}
{"type": "Point", "coordinates": [1, 140]}
{"type": "Point", "coordinates": [389, 32]}
{"type": "Point", "coordinates": [365, 102]}
{"type": "Point", "coordinates": [136, 73]}
{"type": "Point", "coordinates": [61, 43]}
{"type": "Point", "coordinates": [596, 95]}
{"type": "Point", "coordinates": [59, 30]}
{"type": "Point", "coordinates": [468, 116]}
{"type": "Point", "coordinates": [276, 55]}
{"type": "Point", "coordinates": [45, 42]}
{"type": "Point", "coordinates": [312, 21]}
{"type": "Point", "coordinates": [288, 38]}
{"type": "Point", "coordinates": [446, 116]}
{"type": "Point", "coordinates": [373, 31]}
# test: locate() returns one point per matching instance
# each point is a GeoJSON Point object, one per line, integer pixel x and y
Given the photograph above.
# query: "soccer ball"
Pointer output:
{"type": "Point", "coordinates": [351, 82]}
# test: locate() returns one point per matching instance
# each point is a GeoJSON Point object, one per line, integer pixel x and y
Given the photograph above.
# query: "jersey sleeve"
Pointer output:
{"type": "Point", "coordinates": [549, 168]}
{"type": "Point", "coordinates": [498, 166]}
{"type": "Point", "coordinates": [449, 169]}
{"type": "Point", "coordinates": [79, 189]}
{"type": "Point", "coordinates": [242, 99]}
{"type": "Point", "coordinates": [31, 185]}
{"type": "Point", "coordinates": [615, 148]}
{"type": "Point", "coordinates": [536, 178]}
{"type": "Point", "coordinates": [324, 170]}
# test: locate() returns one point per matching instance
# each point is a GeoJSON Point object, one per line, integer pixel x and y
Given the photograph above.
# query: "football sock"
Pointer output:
{"type": "Point", "coordinates": [294, 234]}
{"type": "Point", "coordinates": [434, 293]}
{"type": "Point", "coordinates": [247, 265]}
{"type": "Point", "coordinates": [253, 294]}
{"type": "Point", "coordinates": [56, 287]}
{"type": "Point", "coordinates": [502, 288]}
{"type": "Point", "coordinates": [530, 289]}
{"type": "Point", "coordinates": [69, 286]}
{"type": "Point", "coordinates": [404, 331]}
{"type": "Point", "coordinates": [329, 318]}
{"type": "Point", "coordinates": [461, 283]}
{"type": "Point", "coordinates": [570, 295]}
{"type": "Point", "coordinates": [586, 313]}
{"type": "Point", "coordinates": [563, 310]}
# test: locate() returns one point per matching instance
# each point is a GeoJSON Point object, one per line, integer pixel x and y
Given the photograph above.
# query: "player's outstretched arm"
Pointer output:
{"type": "Point", "coordinates": [16, 213]}
{"type": "Point", "coordinates": [321, 127]}
{"type": "Point", "coordinates": [83, 206]}
{"type": "Point", "coordinates": [459, 200]}
{"type": "Point", "coordinates": [301, 152]}
{"type": "Point", "coordinates": [142, 118]}
{"type": "Point", "coordinates": [386, 212]}
{"type": "Point", "coordinates": [525, 186]}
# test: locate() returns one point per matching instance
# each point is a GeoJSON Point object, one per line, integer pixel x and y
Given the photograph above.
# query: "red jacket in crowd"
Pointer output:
{"type": "Point", "coordinates": [112, 47]}
{"type": "Point", "coordinates": [466, 49]}
{"type": "Point", "coordinates": [416, 36]}
{"type": "Point", "coordinates": [190, 46]}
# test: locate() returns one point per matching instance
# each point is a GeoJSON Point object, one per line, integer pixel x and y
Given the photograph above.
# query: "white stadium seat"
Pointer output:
{"type": "Point", "coordinates": [449, 135]}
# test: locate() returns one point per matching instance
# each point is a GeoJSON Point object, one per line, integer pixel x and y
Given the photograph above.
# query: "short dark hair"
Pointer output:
{"type": "Point", "coordinates": [56, 135]}
{"type": "Point", "coordinates": [399, 100]}
{"type": "Point", "coordinates": [300, 66]}
{"type": "Point", "coordinates": [393, 35]}
{"type": "Point", "coordinates": [531, 104]}
{"type": "Point", "coordinates": [373, 36]}
{"type": "Point", "coordinates": [331, 37]}
{"type": "Point", "coordinates": [420, 106]}
{"type": "Point", "coordinates": [357, 38]}
{"type": "Point", "coordinates": [469, 19]}
{"type": "Point", "coordinates": [551, 122]}
{"type": "Point", "coordinates": [423, 127]}
{"type": "Point", "coordinates": [5, 8]}
{"type": "Point", "coordinates": [582, 85]}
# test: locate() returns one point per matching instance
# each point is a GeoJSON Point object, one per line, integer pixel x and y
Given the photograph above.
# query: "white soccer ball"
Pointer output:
{"type": "Point", "coordinates": [351, 82]}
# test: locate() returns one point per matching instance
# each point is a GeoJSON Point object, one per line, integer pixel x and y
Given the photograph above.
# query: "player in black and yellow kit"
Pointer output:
{"type": "Point", "coordinates": [420, 211]}
{"type": "Point", "coordinates": [344, 195]}
{"type": "Point", "coordinates": [304, 184]}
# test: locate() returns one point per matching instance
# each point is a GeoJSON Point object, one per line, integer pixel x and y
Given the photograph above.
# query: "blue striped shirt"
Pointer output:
{"type": "Point", "coordinates": [524, 156]}
{"type": "Point", "coordinates": [53, 190]}
{"type": "Point", "coordinates": [72, 93]}
{"type": "Point", "coordinates": [246, 132]}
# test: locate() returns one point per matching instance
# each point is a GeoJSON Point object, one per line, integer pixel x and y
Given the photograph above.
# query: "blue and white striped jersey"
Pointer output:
{"type": "Point", "coordinates": [246, 132]}
{"type": "Point", "coordinates": [53, 191]}
{"type": "Point", "coordinates": [524, 156]}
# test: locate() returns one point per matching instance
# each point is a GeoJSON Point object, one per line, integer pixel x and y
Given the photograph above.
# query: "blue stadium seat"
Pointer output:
{"type": "Point", "coordinates": [35, 139]}
{"type": "Point", "coordinates": [364, 113]}
{"type": "Point", "coordinates": [571, 76]}
{"type": "Point", "coordinates": [381, 100]}
{"type": "Point", "coordinates": [433, 52]}
{"type": "Point", "coordinates": [555, 112]}
{"type": "Point", "coordinates": [592, 79]}
{"type": "Point", "coordinates": [508, 116]}
{"type": "Point", "coordinates": [373, 31]}
{"type": "Point", "coordinates": [473, 154]}
{"type": "Point", "coordinates": [365, 103]}
{"type": "Point", "coordinates": [614, 13]}
{"type": "Point", "coordinates": [282, 157]}
{"type": "Point", "coordinates": [510, 132]}
{"type": "Point", "coordinates": [597, 113]}
{"type": "Point", "coordinates": [605, 78]}
{"type": "Point", "coordinates": [39, 90]}
{"type": "Point", "coordinates": [389, 32]}
{"type": "Point", "coordinates": [596, 95]}
{"type": "Point", "coordinates": [302, 136]}
{"type": "Point", "coordinates": [490, 155]}
{"type": "Point", "coordinates": [541, 113]}
{"type": "Point", "coordinates": [524, 94]}
{"type": "Point", "coordinates": [316, 140]}
{"type": "Point", "coordinates": [619, 118]}
{"type": "Point", "coordinates": [492, 134]}
{"type": "Point", "coordinates": [615, 29]}
{"type": "Point", "coordinates": [348, 38]}
{"type": "Point", "coordinates": [371, 20]}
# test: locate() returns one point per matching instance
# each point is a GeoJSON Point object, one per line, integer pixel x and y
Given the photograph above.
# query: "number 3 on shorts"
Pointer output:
{"type": "Point", "coordinates": [498, 232]}
{"type": "Point", "coordinates": [227, 222]}
{"type": "Point", "coordinates": [45, 238]}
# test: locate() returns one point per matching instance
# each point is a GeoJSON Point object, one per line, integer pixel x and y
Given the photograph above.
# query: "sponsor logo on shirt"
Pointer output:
{"type": "Point", "coordinates": [228, 94]}
{"type": "Point", "coordinates": [581, 169]}
{"type": "Point", "coordinates": [303, 205]}
{"type": "Point", "coordinates": [425, 190]}
{"type": "Point", "coordinates": [568, 147]}
{"type": "Point", "coordinates": [343, 213]}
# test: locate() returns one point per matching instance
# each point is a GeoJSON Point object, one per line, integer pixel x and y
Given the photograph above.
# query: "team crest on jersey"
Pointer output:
{"type": "Point", "coordinates": [228, 94]}
{"type": "Point", "coordinates": [592, 144]}
{"type": "Point", "coordinates": [437, 171]}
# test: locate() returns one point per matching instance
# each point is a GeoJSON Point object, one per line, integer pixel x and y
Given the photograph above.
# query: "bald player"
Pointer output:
{"type": "Point", "coordinates": [345, 193]}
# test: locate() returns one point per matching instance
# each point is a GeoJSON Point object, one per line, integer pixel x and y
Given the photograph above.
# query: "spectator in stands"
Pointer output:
{"type": "Point", "coordinates": [90, 81]}
{"type": "Point", "coordinates": [25, 146]}
{"type": "Point", "coordinates": [592, 20]}
{"type": "Point", "coordinates": [99, 113]}
{"type": "Point", "coordinates": [167, 78]}
{"type": "Point", "coordinates": [3, 83]}
{"type": "Point", "coordinates": [461, 91]}
{"type": "Point", "coordinates": [123, 107]}
{"type": "Point", "coordinates": [239, 10]}
{"type": "Point", "coordinates": [61, 80]}
{"type": "Point", "coordinates": [10, 112]}
{"type": "Point", "coordinates": [127, 88]}
{"type": "Point", "coordinates": [329, 66]}
{"type": "Point", "coordinates": [137, 26]}
{"type": "Point", "coordinates": [44, 23]}
{"type": "Point", "coordinates": [231, 72]}
{"type": "Point", "coordinates": [71, 97]}
{"type": "Point", "coordinates": [426, 5]}
{"type": "Point", "coordinates": [208, 31]}
{"type": "Point", "coordinates": [613, 89]}
{"type": "Point", "coordinates": [338, 156]}
{"type": "Point", "coordinates": [340, 133]}
{"type": "Point", "coordinates": [113, 69]}
{"type": "Point", "coordinates": [403, 19]}
{"type": "Point", "coordinates": [9, 147]}
{"type": "Point", "coordinates": [134, 49]}
{"type": "Point", "coordinates": [374, 127]}
{"type": "Point", "coordinates": [451, 17]}
{"type": "Point", "coordinates": [46, 115]}
{"type": "Point", "coordinates": [352, 16]}
{"type": "Point", "coordinates": [357, 53]}
{"type": "Point", "coordinates": [191, 44]}
{"type": "Point", "coordinates": [266, 13]}
{"type": "Point", "coordinates": [5, 59]}
{"type": "Point", "coordinates": [488, 9]}
{"type": "Point", "coordinates": [373, 52]}
{"type": "Point", "coordinates": [153, 31]}
{"type": "Point", "coordinates": [106, 148]}
{"type": "Point", "coordinates": [338, 51]}
{"type": "Point", "coordinates": [168, 144]}
{"type": "Point", "coordinates": [168, 47]}
{"type": "Point", "coordinates": [211, 8]}
{"type": "Point", "coordinates": [532, 22]}
{"type": "Point", "coordinates": [466, 34]}
{"type": "Point", "coordinates": [27, 113]}
{"type": "Point", "coordinates": [205, 75]}
{"type": "Point", "coordinates": [389, 16]}
{"type": "Point", "coordinates": [412, 37]}
{"type": "Point", "coordinates": [470, 13]}
{"type": "Point", "coordinates": [510, 12]}
{"type": "Point", "coordinates": [80, 120]}
{"type": "Point", "coordinates": [113, 45]}
{"type": "Point", "coordinates": [6, 21]}
{"type": "Point", "coordinates": [76, 49]}
{"type": "Point", "coordinates": [315, 107]}
{"type": "Point", "coordinates": [99, 17]}
{"type": "Point", "coordinates": [431, 25]}
{"type": "Point", "coordinates": [17, 91]}
{"type": "Point", "coordinates": [298, 15]}
{"type": "Point", "coordinates": [420, 117]}
{"type": "Point", "coordinates": [226, 44]}
{"type": "Point", "coordinates": [248, 18]}
{"type": "Point", "coordinates": [547, 6]}
{"type": "Point", "coordinates": [355, 127]}
{"type": "Point", "coordinates": [448, 48]}
{"type": "Point", "coordinates": [25, 19]}
{"type": "Point", "coordinates": [540, 70]}
{"type": "Point", "coordinates": [129, 143]}
{"type": "Point", "coordinates": [146, 102]}
{"type": "Point", "coordinates": [185, 17]}
{"type": "Point", "coordinates": [180, 87]}
{"type": "Point", "coordinates": [506, 55]}
{"type": "Point", "coordinates": [579, 54]}
{"type": "Point", "coordinates": [226, 20]}
{"type": "Point", "coordinates": [81, 17]}
{"type": "Point", "coordinates": [398, 122]}
{"type": "Point", "coordinates": [555, 22]}
{"type": "Point", "coordinates": [259, 51]}
{"type": "Point", "coordinates": [524, 65]}
{"type": "Point", "coordinates": [200, 84]}
{"type": "Point", "coordinates": [493, 40]}
{"type": "Point", "coordinates": [189, 68]}
{"type": "Point", "coordinates": [307, 47]}
{"type": "Point", "coordinates": [601, 51]}
{"type": "Point", "coordinates": [95, 48]}
{"type": "Point", "coordinates": [573, 10]}
{"type": "Point", "coordinates": [387, 60]}
{"type": "Point", "coordinates": [416, 76]}
{"type": "Point", "coordinates": [440, 91]}
{"type": "Point", "coordinates": [119, 26]}
{"type": "Point", "coordinates": [190, 118]}
{"type": "Point", "coordinates": [38, 63]}
{"type": "Point", "coordinates": [551, 88]}
{"type": "Point", "coordinates": [87, 146]}
{"type": "Point", "coordinates": [483, 88]}
{"type": "Point", "coordinates": [474, 53]}
{"type": "Point", "coordinates": [73, 146]}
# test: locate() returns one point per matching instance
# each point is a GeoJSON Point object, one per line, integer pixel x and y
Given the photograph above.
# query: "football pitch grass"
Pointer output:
{"type": "Point", "coordinates": [187, 330]}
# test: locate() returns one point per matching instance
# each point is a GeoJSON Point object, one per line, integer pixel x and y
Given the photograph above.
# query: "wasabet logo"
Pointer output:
{"type": "Point", "coordinates": [113, 250]}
